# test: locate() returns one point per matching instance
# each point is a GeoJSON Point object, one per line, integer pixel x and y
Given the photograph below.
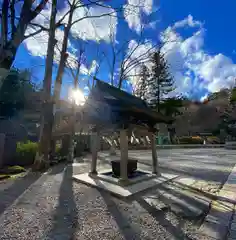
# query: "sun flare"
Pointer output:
{"type": "Point", "coordinates": [77, 96]}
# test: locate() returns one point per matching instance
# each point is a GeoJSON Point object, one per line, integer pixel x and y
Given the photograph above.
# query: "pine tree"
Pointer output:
{"type": "Point", "coordinates": [141, 87]}
{"type": "Point", "coordinates": [228, 117]}
{"type": "Point", "coordinates": [160, 82]}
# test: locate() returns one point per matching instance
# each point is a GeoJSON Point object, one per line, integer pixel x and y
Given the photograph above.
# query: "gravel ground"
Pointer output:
{"type": "Point", "coordinates": [52, 206]}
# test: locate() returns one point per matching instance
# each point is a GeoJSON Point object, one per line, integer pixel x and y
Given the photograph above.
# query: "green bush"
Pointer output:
{"type": "Point", "coordinates": [25, 153]}
{"type": "Point", "coordinates": [12, 170]}
{"type": "Point", "coordinates": [58, 149]}
{"type": "Point", "coordinates": [191, 140]}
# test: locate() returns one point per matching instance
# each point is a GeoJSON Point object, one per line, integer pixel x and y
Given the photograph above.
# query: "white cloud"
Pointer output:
{"type": "Point", "coordinates": [188, 21]}
{"type": "Point", "coordinates": [37, 45]}
{"type": "Point", "coordinates": [89, 70]}
{"type": "Point", "coordinates": [98, 28]}
{"type": "Point", "coordinates": [133, 11]}
{"type": "Point", "coordinates": [192, 67]}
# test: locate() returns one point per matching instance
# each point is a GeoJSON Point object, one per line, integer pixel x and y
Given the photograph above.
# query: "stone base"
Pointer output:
{"type": "Point", "coordinates": [230, 145]}
{"type": "Point", "coordinates": [119, 190]}
{"type": "Point", "coordinates": [117, 181]}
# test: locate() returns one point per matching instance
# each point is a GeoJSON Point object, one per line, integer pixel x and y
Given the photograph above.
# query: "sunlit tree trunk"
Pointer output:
{"type": "Point", "coordinates": [42, 160]}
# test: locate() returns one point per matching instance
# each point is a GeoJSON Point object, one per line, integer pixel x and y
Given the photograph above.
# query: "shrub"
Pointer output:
{"type": "Point", "coordinates": [58, 149]}
{"type": "Point", "coordinates": [191, 140]}
{"type": "Point", "coordinates": [12, 170]}
{"type": "Point", "coordinates": [25, 153]}
{"type": "Point", "coordinates": [213, 139]}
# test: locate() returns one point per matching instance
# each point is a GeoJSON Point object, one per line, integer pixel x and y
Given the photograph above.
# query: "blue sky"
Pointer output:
{"type": "Point", "coordinates": [198, 40]}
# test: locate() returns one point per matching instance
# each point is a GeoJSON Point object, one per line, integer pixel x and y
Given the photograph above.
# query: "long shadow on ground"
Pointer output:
{"type": "Point", "coordinates": [17, 187]}
{"type": "Point", "coordinates": [65, 216]}
{"type": "Point", "coordinates": [200, 173]}
{"type": "Point", "coordinates": [128, 231]}
{"type": "Point", "coordinates": [13, 189]}
{"type": "Point", "coordinates": [176, 233]}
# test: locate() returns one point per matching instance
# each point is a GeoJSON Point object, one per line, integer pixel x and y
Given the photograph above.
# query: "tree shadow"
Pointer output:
{"type": "Point", "coordinates": [215, 226]}
{"type": "Point", "coordinates": [58, 168]}
{"type": "Point", "coordinates": [65, 217]}
{"type": "Point", "coordinates": [206, 194]}
{"type": "Point", "coordinates": [16, 189]}
{"type": "Point", "coordinates": [207, 174]}
{"type": "Point", "coordinates": [128, 231]}
{"type": "Point", "coordinates": [176, 233]}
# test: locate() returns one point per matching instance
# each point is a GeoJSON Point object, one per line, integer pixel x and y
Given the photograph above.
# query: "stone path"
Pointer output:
{"type": "Point", "coordinates": [220, 222]}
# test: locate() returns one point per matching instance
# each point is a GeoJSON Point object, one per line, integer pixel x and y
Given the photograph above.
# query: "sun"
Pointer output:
{"type": "Point", "coordinates": [77, 96]}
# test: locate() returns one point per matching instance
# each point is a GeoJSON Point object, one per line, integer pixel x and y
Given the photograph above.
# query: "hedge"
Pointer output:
{"type": "Point", "coordinates": [26, 152]}
{"type": "Point", "coordinates": [191, 140]}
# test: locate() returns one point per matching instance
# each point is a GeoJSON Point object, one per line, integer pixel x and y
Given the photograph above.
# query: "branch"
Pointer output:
{"type": "Point", "coordinates": [4, 22]}
{"type": "Point", "coordinates": [126, 58]}
{"type": "Point", "coordinates": [73, 7]}
{"type": "Point", "coordinates": [98, 16]}
{"type": "Point", "coordinates": [40, 26]}
{"type": "Point", "coordinates": [13, 27]}
{"type": "Point", "coordinates": [33, 34]}
{"type": "Point", "coordinates": [38, 9]}
{"type": "Point", "coordinates": [100, 4]}
{"type": "Point", "coordinates": [59, 23]}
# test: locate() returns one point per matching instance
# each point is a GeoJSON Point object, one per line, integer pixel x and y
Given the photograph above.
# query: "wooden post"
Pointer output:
{"type": "Point", "coordinates": [124, 156]}
{"type": "Point", "coordinates": [112, 147]}
{"type": "Point", "coordinates": [94, 148]}
{"type": "Point", "coordinates": [154, 154]}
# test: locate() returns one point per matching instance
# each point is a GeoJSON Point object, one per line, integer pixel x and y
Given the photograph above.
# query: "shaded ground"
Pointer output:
{"type": "Point", "coordinates": [211, 165]}
{"type": "Point", "coordinates": [51, 206]}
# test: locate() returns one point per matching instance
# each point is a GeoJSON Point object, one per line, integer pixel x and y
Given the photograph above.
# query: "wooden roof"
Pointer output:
{"type": "Point", "coordinates": [122, 107]}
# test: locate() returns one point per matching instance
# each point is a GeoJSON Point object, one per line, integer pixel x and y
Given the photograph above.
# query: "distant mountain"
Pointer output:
{"type": "Point", "coordinates": [198, 117]}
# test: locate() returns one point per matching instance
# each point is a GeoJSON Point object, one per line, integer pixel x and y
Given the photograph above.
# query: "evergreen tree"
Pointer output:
{"type": "Point", "coordinates": [15, 89]}
{"type": "Point", "coordinates": [160, 82]}
{"type": "Point", "coordinates": [141, 87]}
{"type": "Point", "coordinates": [228, 117]}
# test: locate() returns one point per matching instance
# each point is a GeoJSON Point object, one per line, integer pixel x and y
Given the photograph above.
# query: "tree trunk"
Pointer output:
{"type": "Point", "coordinates": [61, 68]}
{"type": "Point", "coordinates": [158, 96]}
{"type": "Point", "coordinates": [9, 47]}
{"type": "Point", "coordinates": [70, 157]}
{"type": "Point", "coordinates": [42, 160]}
{"type": "Point", "coordinates": [7, 56]}
{"type": "Point", "coordinates": [73, 122]}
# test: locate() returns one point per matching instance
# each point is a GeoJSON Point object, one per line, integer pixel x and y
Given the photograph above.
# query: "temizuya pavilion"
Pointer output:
{"type": "Point", "coordinates": [109, 109]}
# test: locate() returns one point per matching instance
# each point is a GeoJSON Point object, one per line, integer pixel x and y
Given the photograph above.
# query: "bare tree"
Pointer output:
{"type": "Point", "coordinates": [13, 27]}
{"type": "Point", "coordinates": [42, 160]}
{"type": "Point", "coordinates": [73, 115]}
{"type": "Point", "coordinates": [126, 58]}
{"type": "Point", "coordinates": [67, 28]}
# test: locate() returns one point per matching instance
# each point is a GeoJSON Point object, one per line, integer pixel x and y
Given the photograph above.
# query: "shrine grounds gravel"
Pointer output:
{"type": "Point", "coordinates": [52, 206]}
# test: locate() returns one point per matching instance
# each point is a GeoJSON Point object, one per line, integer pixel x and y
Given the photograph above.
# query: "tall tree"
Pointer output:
{"type": "Point", "coordinates": [228, 116]}
{"type": "Point", "coordinates": [160, 82]}
{"type": "Point", "coordinates": [74, 5]}
{"type": "Point", "coordinates": [172, 106]}
{"type": "Point", "coordinates": [141, 85]}
{"type": "Point", "coordinates": [13, 27]}
{"type": "Point", "coordinates": [42, 160]}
